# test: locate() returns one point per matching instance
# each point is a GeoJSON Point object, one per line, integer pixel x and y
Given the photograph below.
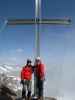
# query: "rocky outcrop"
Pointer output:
{"type": "Point", "coordinates": [6, 93]}
{"type": "Point", "coordinates": [7, 88]}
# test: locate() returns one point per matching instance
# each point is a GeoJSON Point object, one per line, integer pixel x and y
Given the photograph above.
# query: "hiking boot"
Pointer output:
{"type": "Point", "coordinates": [41, 98]}
{"type": "Point", "coordinates": [29, 98]}
{"type": "Point", "coordinates": [23, 96]}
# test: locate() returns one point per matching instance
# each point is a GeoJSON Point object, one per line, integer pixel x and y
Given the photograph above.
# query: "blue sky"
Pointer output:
{"type": "Point", "coordinates": [17, 43]}
{"type": "Point", "coordinates": [23, 37]}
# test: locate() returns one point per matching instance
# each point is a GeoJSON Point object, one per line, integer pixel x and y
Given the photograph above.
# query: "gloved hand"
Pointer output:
{"type": "Point", "coordinates": [21, 82]}
{"type": "Point", "coordinates": [43, 79]}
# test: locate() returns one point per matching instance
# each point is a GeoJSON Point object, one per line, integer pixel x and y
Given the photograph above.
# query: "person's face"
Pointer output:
{"type": "Point", "coordinates": [37, 62]}
{"type": "Point", "coordinates": [29, 63]}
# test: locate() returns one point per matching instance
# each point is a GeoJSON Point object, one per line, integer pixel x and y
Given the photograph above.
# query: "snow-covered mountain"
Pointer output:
{"type": "Point", "coordinates": [2, 69]}
{"type": "Point", "coordinates": [8, 68]}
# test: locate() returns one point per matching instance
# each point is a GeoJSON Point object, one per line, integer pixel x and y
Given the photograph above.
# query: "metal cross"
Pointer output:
{"type": "Point", "coordinates": [38, 21]}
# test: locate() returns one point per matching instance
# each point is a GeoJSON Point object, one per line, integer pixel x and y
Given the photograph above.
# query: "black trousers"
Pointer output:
{"type": "Point", "coordinates": [26, 87]}
{"type": "Point", "coordinates": [39, 85]}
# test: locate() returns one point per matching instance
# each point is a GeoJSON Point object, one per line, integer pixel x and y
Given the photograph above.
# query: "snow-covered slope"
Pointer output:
{"type": "Point", "coordinates": [8, 68]}
{"type": "Point", "coordinates": [2, 69]}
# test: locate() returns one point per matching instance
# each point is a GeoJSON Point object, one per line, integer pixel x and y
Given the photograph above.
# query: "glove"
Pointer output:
{"type": "Point", "coordinates": [43, 79]}
{"type": "Point", "coordinates": [21, 82]}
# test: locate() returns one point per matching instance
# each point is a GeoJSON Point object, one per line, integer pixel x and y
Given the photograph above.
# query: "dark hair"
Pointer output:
{"type": "Point", "coordinates": [29, 61]}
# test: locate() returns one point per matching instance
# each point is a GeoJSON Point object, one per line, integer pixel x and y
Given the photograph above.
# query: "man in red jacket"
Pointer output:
{"type": "Point", "coordinates": [40, 77]}
{"type": "Point", "coordinates": [26, 77]}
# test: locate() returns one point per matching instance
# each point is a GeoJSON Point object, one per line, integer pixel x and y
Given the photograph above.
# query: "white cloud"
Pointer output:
{"type": "Point", "coordinates": [19, 50]}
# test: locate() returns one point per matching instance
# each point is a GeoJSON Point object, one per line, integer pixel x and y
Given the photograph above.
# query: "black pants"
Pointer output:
{"type": "Point", "coordinates": [26, 86]}
{"type": "Point", "coordinates": [39, 86]}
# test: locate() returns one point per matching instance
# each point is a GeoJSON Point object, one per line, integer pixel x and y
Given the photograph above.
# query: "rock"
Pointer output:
{"type": "Point", "coordinates": [6, 93]}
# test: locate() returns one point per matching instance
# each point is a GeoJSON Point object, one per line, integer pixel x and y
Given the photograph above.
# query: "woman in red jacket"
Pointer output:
{"type": "Point", "coordinates": [26, 78]}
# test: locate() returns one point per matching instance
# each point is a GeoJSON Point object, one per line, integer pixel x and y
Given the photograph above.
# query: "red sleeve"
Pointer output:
{"type": "Point", "coordinates": [22, 73]}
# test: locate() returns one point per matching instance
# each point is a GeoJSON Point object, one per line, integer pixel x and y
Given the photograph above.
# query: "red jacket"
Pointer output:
{"type": "Point", "coordinates": [40, 71]}
{"type": "Point", "coordinates": [26, 73]}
